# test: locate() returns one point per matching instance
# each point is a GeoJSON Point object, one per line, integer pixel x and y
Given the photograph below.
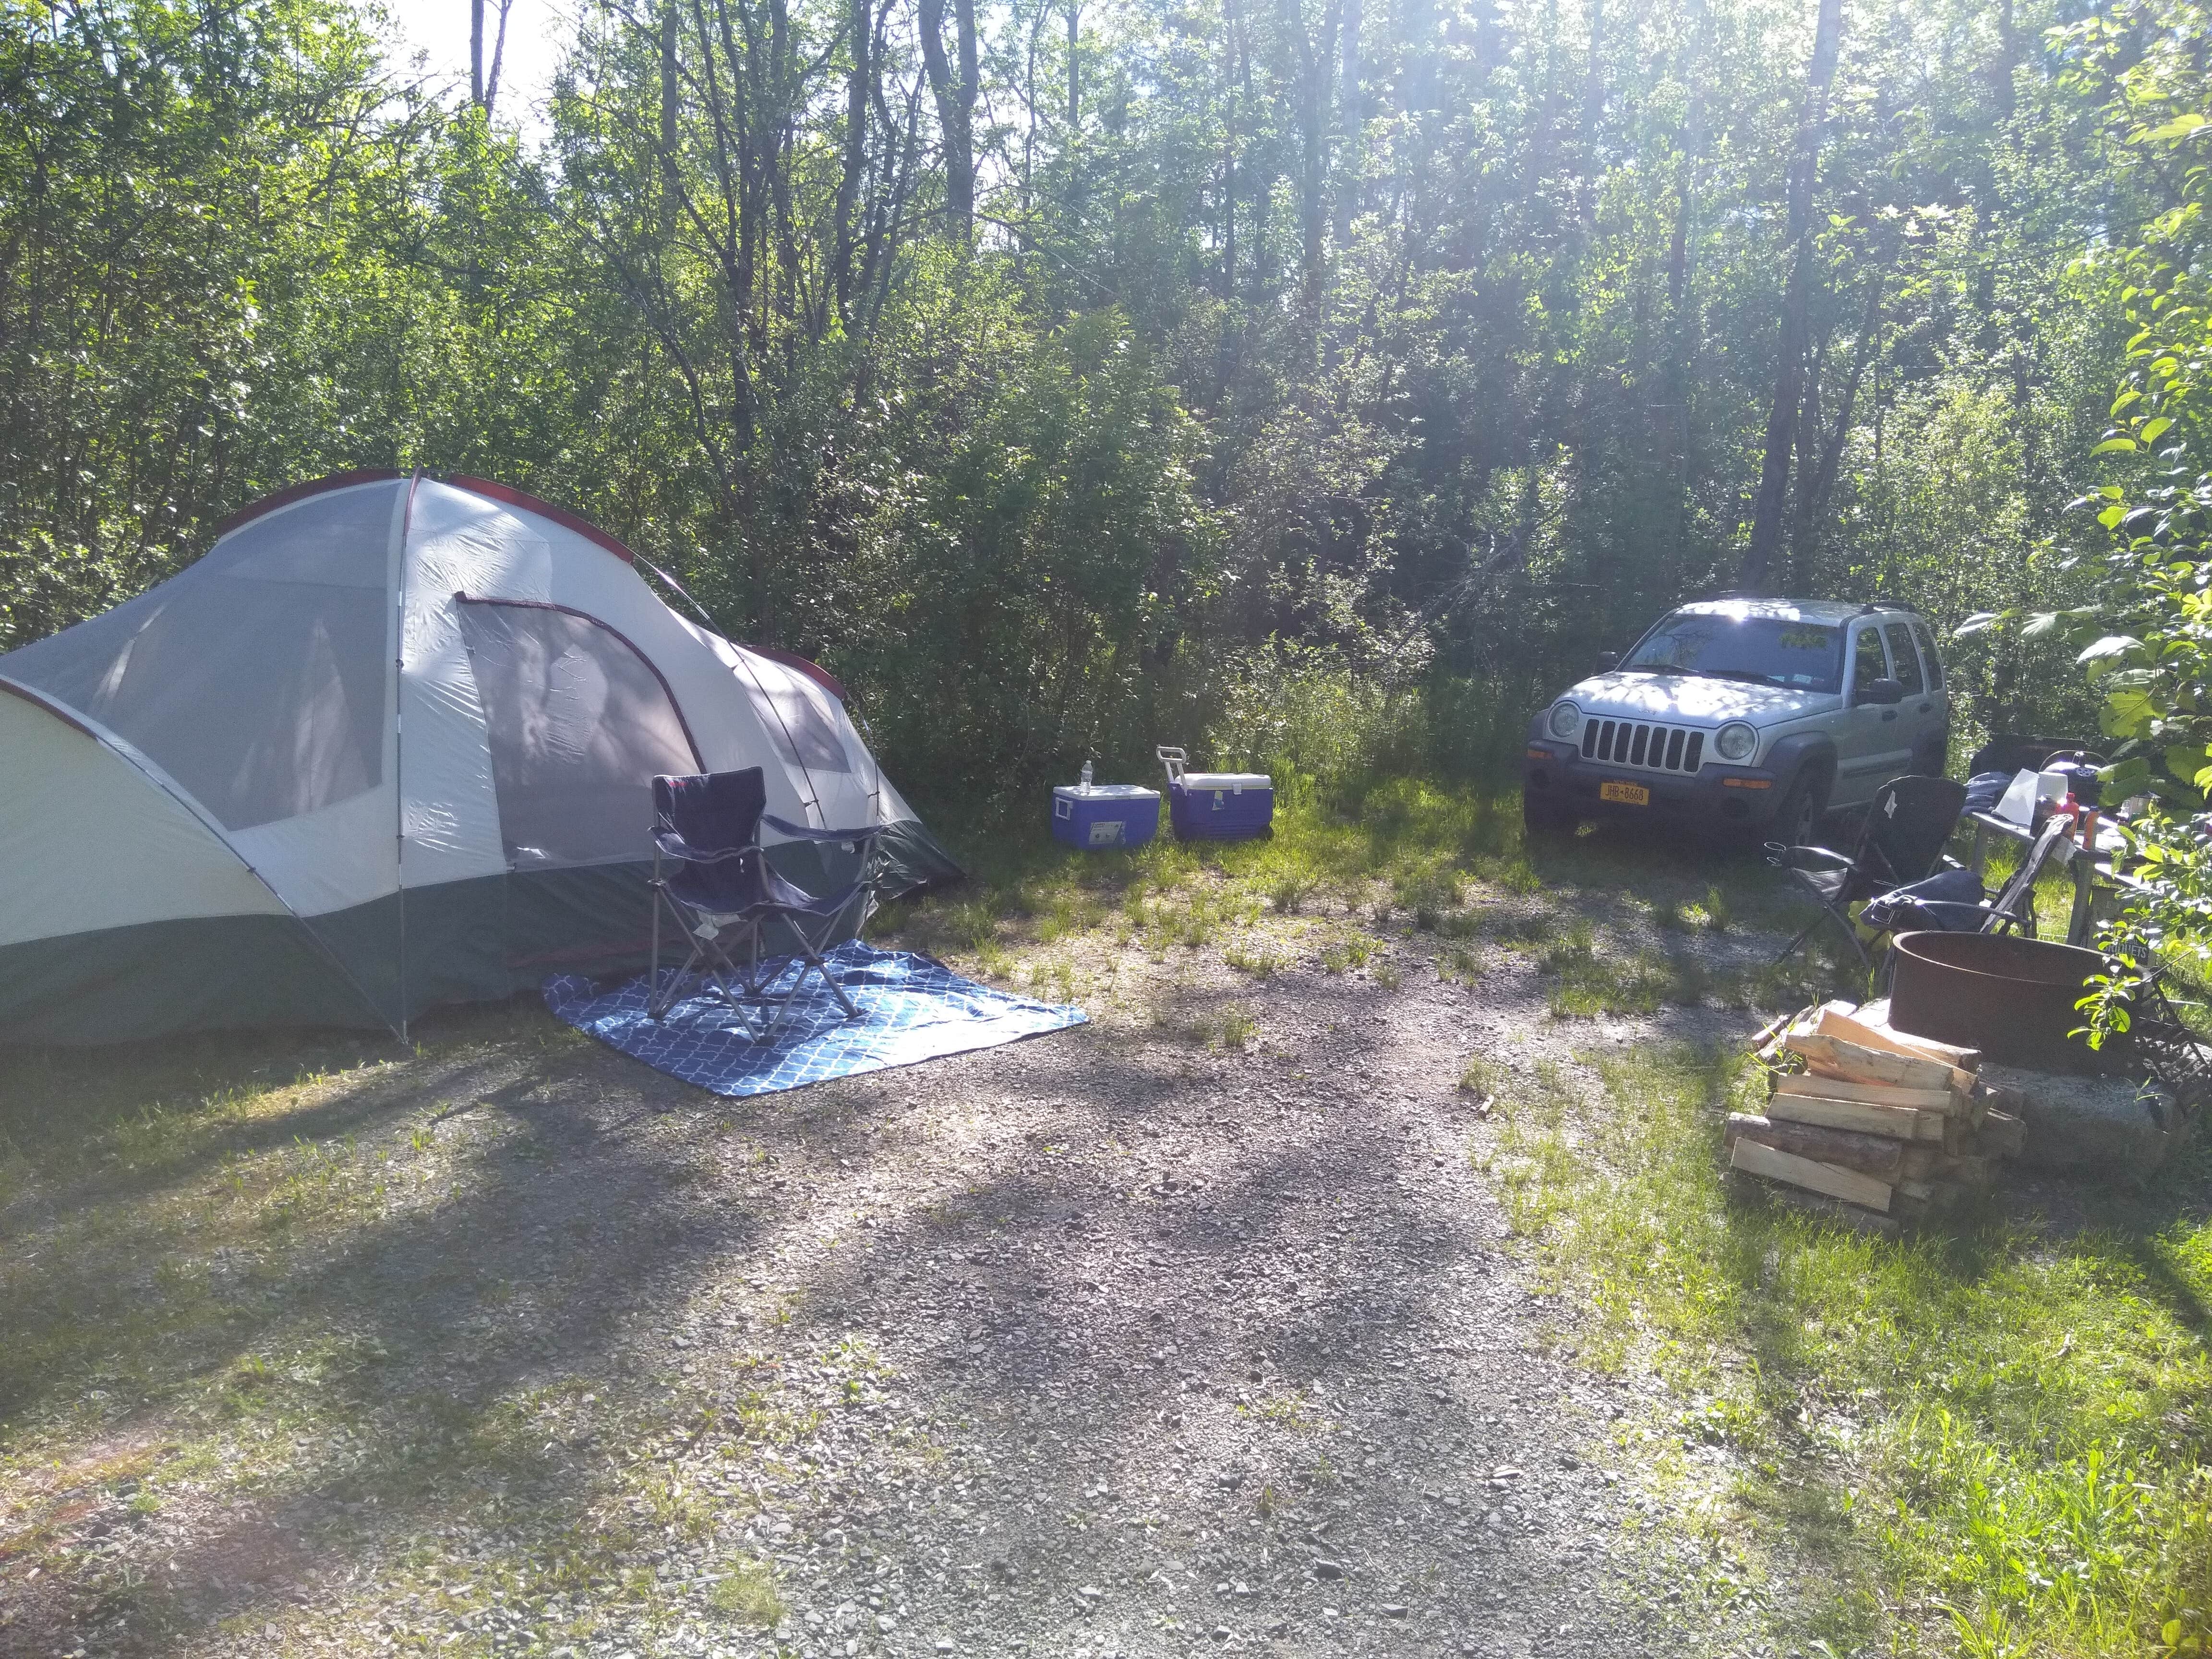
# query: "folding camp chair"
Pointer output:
{"type": "Point", "coordinates": [722, 894]}
{"type": "Point", "coordinates": [1900, 840]}
{"type": "Point", "coordinates": [1926, 904]}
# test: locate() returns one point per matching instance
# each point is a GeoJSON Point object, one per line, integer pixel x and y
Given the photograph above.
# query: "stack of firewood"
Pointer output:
{"type": "Point", "coordinates": [1876, 1119]}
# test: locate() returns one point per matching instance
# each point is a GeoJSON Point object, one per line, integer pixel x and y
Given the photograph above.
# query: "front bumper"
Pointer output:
{"type": "Point", "coordinates": [1732, 797]}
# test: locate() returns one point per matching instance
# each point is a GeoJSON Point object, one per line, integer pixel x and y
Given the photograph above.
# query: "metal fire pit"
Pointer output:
{"type": "Point", "coordinates": [2011, 998]}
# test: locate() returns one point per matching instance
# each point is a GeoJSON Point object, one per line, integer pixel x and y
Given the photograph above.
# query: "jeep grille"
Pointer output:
{"type": "Point", "coordinates": [1631, 742]}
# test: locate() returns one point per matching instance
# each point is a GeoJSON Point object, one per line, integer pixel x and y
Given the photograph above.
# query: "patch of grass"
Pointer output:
{"type": "Point", "coordinates": [748, 1593]}
{"type": "Point", "coordinates": [1587, 981]}
{"type": "Point", "coordinates": [1227, 1025]}
{"type": "Point", "coordinates": [1256, 958]}
{"type": "Point", "coordinates": [1289, 1409]}
{"type": "Point", "coordinates": [1720, 914]}
{"type": "Point", "coordinates": [2009, 1425]}
{"type": "Point", "coordinates": [1461, 962]}
{"type": "Point", "coordinates": [1232, 1027]}
{"type": "Point", "coordinates": [1287, 886]}
{"type": "Point", "coordinates": [1514, 930]}
{"type": "Point", "coordinates": [1352, 951]}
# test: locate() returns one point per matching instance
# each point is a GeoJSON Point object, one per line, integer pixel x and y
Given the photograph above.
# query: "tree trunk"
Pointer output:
{"type": "Point", "coordinates": [1349, 123]}
{"type": "Point", "coordinates": [2002, 67]}
{"type": "Point", "coordinates": [1790, 366]}
{"type": "Point", "coordinates": [475, 52]}
{"type": "Point", "coordinates": [1075, 68]}
{"type": "Point", "coordinates": [1229, 160]}
{"type": "Point", "coordinates": [1593, 113]}
{"type": "Point", "coordinates": [1314, 76]}
{"type": "Point", "coordinates": [498, 52]}
{"type": "Point", "coordinates": [671, 182]}
{"type": "Point", "coordinates": [859, 20]}
{"type": "Point", "coordinates": [1821, 456]}
{"type": "Point", "coordinates": [955, 108]}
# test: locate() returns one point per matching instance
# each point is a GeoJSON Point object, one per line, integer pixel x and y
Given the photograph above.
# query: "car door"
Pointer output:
{"type": "Point", "coordinates": [1916, 713]}
{"type": "Point", "coordinates": [1939, 694]}
{"type": "Point", "coordinates": [1871, 747]}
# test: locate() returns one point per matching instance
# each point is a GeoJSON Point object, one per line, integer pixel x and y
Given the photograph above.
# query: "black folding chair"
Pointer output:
{"type": "Point", "coordinates": [1925, 904]}
{"type": "Point", "coordinates": [724, 896]}
{"type": "Point", "coordinates": [1900, 840]}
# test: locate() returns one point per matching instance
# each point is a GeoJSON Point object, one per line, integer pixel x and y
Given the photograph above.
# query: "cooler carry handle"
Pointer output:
{"type": "Point", "coordinates": [1062, 807]}
{"type": "Point", "coordinates": [1176, 761]}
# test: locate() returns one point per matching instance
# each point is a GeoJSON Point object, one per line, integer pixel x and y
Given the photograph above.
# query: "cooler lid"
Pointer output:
{"type": "Point", "coordinates": [1126, 792]}
{"type": "Point", "coordinates": [1238, 781]}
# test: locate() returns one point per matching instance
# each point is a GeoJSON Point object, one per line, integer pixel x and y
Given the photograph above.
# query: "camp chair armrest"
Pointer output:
{"type": "Point", "coordinates": [1805, 857]}
{"type": "Point", "coordinates": [791, 831]}
{"type": "Point", "coordinates": [675, 846]}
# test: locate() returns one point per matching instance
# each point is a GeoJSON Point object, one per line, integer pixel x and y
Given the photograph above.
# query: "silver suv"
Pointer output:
{"type": "Point", "coordinates": [1753, 715]}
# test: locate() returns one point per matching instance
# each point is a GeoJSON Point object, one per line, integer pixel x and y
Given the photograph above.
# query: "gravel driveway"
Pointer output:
{"type": "Point", "coordinates": [1103, 1343]}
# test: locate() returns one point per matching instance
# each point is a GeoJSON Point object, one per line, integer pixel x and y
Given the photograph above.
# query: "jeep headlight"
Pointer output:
{"type": "Point", "coordinates": [1567, 719]}
{"type": "Point", "coordinates": [1736, 742]}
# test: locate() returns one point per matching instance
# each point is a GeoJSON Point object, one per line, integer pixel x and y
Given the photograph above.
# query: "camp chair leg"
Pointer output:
{"type": "Point", "coordinates": [1843, 922]}
{"type": "Point", "coordinates": [809, 962]}
{"type": "Point", "coordinates": [1790, 949]}
{"type": "Point", "coordinates": [712, 961]}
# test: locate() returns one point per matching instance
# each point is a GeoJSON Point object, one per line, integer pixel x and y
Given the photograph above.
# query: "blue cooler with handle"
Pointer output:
{"type": "Point", "coordinates": [1216, 805]}
{"type": "Point", "coordinates": [1098, 816]}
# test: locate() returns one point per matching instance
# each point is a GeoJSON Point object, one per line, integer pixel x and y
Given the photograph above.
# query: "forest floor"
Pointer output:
{"type": "Point", "coordinates": [1347, 1285]}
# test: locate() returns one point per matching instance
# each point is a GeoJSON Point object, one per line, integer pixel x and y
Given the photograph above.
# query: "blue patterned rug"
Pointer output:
{"type": "Point", "coordinates": [912, 1008]}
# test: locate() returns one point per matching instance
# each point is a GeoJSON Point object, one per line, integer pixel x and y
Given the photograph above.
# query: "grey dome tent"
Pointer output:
{"type": "Point", "coordinates": [390, 743]}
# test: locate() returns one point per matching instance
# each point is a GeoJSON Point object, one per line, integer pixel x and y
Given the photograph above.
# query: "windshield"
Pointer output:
{"type": "Point", "coordinates": [1763, 650]}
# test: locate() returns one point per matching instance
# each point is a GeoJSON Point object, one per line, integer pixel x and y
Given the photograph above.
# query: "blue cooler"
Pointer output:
{"type": "Point", "coordinates": [1217, 805]}
{"type": "Point", "coordinates": [1102, 815]}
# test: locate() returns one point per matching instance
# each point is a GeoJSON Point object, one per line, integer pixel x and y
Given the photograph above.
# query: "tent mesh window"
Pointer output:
{"type": "Point", "coordinates": [580, 725]}
{"type": "Point", "coordinates": [258, 679]}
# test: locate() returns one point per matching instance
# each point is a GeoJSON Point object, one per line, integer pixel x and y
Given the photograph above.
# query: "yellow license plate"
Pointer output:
{"type": "Point", "coordinates": [1631, 794]}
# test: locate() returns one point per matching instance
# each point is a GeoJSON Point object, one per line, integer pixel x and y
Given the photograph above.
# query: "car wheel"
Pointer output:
{"type": "Point", "coordinates": [1542, 819]}
{"type": "Point", "coordinates": [1798, 818]}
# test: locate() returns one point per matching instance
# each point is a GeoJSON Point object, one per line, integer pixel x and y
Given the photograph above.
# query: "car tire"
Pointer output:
{"type": "Point", "coordinates": [1798, 818]}
{"type": "Point", "coordinates": [1545, 820]}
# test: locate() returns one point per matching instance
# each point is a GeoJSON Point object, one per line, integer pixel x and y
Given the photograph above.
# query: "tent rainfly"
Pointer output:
{"type": "Point", "coordinates": [390, 743]}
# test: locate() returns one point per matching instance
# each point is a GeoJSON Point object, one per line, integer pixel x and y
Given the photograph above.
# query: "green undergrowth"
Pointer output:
{"type": "Point", "coordinates": [1989, 1443]}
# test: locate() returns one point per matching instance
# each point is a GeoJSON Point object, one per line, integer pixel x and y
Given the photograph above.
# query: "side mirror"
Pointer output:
{"type": "Point", "coordinates": [1882, 691]}
{"type": "Point", "coordinates": [1608, 660]}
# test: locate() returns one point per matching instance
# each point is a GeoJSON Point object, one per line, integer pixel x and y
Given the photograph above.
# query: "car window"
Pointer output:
{"type": "Point", "coordinates": [1868, 666]}
{"type": "Point", "coordinates": [1906, 658]}
{"type": "Point", "coordinates": [1783, 651]}
{"type": "Point", "coordinates": [1928, 656]}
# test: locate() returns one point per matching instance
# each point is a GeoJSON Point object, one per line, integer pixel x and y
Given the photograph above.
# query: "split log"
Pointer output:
{"type": "Point", "coordinates": [1855, 1063]}
{"type": "Point", "coordinates": [1898, 1123]}
{"type": "Point", "coordinates": [1815, 1176]}
{"type": "Point", "coordinates": [1880, 1035]}
{"type": "Point", "coordinates": [1875, 1094]}
{"type": "Point", "coordinates": [2002, 1135]}
{"type": "Point", "coordinates": [1875, 1155]}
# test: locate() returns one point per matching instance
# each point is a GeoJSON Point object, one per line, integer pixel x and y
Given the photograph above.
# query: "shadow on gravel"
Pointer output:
{"type": "Point", "coordinates": [567, 1246]}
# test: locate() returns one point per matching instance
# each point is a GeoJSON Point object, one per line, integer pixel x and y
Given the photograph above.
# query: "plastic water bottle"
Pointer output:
{"type": "Point", "coordinates": [1087, 776]}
